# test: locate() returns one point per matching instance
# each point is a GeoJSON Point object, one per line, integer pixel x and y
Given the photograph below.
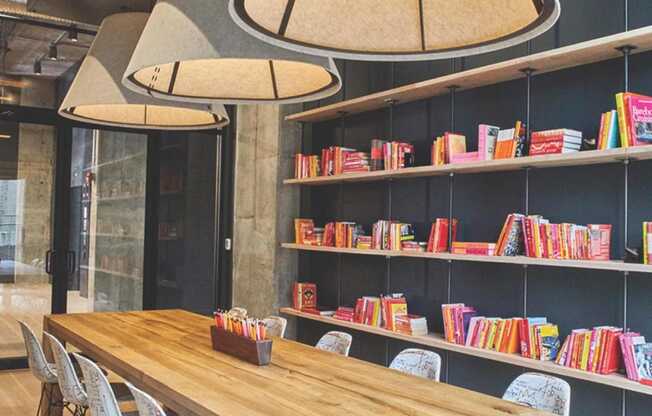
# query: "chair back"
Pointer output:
{"type": "Point", "coordinates": [541, 392]}
{"type": "Point", "coordinates": [101, 399]}
{"type": "Point", "coordinates": [337, 342]}
{"type": "Point", "coordinates": [418, 362]}
{"type": "Point", "coordinates": [238, 312]}
{"type": "Point", "coordinates": [146, 404]}
{"type": "Point", "coordinates": [69, 384]}
{"type": "Point", "coordinates": [275, 326]}
{"type": "Point", "coordinates": [38, 364]}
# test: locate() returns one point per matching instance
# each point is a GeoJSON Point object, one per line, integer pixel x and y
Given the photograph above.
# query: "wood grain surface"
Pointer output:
{"type": "Point", "coordinates": [169, 354]}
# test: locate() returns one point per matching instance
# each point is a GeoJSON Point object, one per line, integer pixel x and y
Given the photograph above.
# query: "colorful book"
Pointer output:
{"type": "Point", "coordinates": [487, 136]}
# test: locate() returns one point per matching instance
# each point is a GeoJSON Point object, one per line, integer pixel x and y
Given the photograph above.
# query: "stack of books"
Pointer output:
{"type": "Point", "coordinates": [416, 246]}
{"type": "Point", "coordinates": [647, 242]}
{"type": "Point", "coordinates": [595, 350]}
{"type": "Point", "coordinates": [634, 119]}
{"type": "Point", "coordinates": [438, 238]}
{"type": "Point", "coordinates": [637, 357]}
{"type": "Point", "coordinates": [495, 334]}
{"type": "Point", "coordinates": [306, 166]}
{"type": "Point", "coordinates": [608, 137]}
{"type": "Point", "coordinates": [555, 141]}
{"type": "Point", "coordinates": [304, 231]}
{"type": "Point", "coordinates": [337, 160]}
{"type": "Point", "coordinates": [478, 249]}
{"type": "Point", "coordinates": [364, 242]}
{"type": "Point", "coordinates": [457, 317]}
{"type": "Point", "coordinates": [344, 313]}
{"type": "Point", "coordinates": [397, 155]}
{"type": "Point", "coordinates": [393, 306]}
{"type": "Point", "coordinates": [368, 311]}
{"type": "Point", "coordinates": [413, 325]}
{"type": "Point", "coordinates": [390, 235]}
{"type": "Point", "coordinates": [355, 162]}
{"type": "Point", "coordinates": [535, 236]}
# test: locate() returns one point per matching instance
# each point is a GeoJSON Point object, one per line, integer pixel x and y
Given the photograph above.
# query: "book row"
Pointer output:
{"type": "Point", "coordinates": [630, 124]}
{"type": "Point", "coordinates": [601, 350]}
{"type": "Point", "coordinates": [521, 235]}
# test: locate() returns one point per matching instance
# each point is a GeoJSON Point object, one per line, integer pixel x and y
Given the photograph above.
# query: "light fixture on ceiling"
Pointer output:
{"type": "Point", "coordinates": [38, 68]}
{"type": "Point", "coordinates": [97, 95]}
{"type": "Point", "coordinates": [192, 51]}
{"type": "Point", "coordinates": [5, 136]}
{"type": "Point", "coordinates": [53, 53]}
{"type": "Point", "coordinates": [395, 30]}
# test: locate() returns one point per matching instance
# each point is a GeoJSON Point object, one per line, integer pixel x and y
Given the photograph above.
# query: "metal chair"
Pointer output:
{"type": "Point", "coordinates": [275, 326]}
{"type": "Point", "coordinates": [101, 398]}
{"type": "Point", "coordinates": [417, 362]}
{"type": "Point", "coordinates": [43, 371]}
{"type": "Point", "coordinates": [541, 392]}
{"type": "Point", "coordinates": [337, 342]}
{"type": "Point", "coordinates": [146, 404]}
{"type": "Point", "coordinates": [69, 384]}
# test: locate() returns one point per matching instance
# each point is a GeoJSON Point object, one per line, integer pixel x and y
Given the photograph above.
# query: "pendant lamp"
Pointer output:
{"type": "Point", "coordinates": [191, 50]}
{"type": "Point", "coordinates": [395, 30]}
{"type": "Point", "coordinates": [97, 95]}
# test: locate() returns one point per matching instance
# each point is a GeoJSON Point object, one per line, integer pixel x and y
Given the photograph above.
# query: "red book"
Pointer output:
{"type": "Point", "coordinates": [612, 357]}
{"type": "Point", "coordinates": [305, 296]}
{"type": "Point", "coordinates": [524, 330]}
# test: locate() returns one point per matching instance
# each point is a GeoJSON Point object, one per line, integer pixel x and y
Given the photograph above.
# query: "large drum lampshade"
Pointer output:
{"type": "Point", "coordinates": [191, 50]}
{"type": "Point", "coordinates": [395, 30]}
{"type": "Point", "coordinates": [97, 95]}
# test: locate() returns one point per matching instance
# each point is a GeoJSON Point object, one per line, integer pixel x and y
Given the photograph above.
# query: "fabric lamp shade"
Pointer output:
{"type": "Point", "coordinates": [191, 50]}
{"type": "Point", "coordinates": [395, 30]}
{"type": "Point", "coordinates": [97, 95]}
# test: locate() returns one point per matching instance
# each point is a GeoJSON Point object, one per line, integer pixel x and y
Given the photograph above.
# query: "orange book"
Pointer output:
{"type": "Point", "coordinates": [513, 340]}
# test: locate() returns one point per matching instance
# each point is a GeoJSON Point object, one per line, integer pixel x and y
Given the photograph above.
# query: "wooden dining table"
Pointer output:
{"type": "Point", "coordinates": [169, 355]}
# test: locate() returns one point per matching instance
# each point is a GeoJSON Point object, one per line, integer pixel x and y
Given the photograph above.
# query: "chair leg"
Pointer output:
{"type": "Point", "coordinates": [40, 400]}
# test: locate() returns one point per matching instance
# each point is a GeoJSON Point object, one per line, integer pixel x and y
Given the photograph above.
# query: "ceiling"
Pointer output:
{"type": "Point", "coordinates": [87, 11]}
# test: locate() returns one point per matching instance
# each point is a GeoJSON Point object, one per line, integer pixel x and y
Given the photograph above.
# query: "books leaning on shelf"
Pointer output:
{"type": "Point", "coordinates": [304, 230]}
{"type": "Point", "coordinates": [447, 148]}
{"type": "Point", "coordinates": [608, 136]}
{"type": "Point", "coordinates": [390, 235]}
{"type": "Point", "coordinates": [510, 143]}
{"type": "Point", "coordinates": [534, 236]}
{"type": "Point", "coordinates": [304, 296]}
{"type": "Point", "coordinates": [595, 350]}
{"type": "Point", "coordinates": [496, 334]}
{"type": "Point", "coordinates": [555, 141]}
{"type": "Point", "coordinates": [647, 242]}
{"type": "Point", "coordinates": [438, 237]}
{"type": "Point", "coordinates": [634, 119]}
{"type": "Point", "coordinates": [457, 318]}
{"type": "Point", "coordinates": [306, 166]}
{"type": "Point", "coordinates": [637, 357]}
{"type": "Point", "coordinates": [396, 155]}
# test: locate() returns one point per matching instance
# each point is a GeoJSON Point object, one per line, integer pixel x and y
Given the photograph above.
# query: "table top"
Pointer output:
{"type": "Point", "coordinates": [169, 355]}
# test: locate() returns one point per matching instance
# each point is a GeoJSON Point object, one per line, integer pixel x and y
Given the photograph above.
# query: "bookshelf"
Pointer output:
{"type": "Point", "coordinates": [521, 260]}
{"type": "Point", "coordinates": [437, 341]}
{"type": "Point", "coordinates": [591, 51]}
{"type": "Point", "coordinates": [592, 157]}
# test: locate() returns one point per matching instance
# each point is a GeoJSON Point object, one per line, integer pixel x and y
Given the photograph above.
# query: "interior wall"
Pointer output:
{"type": "Point", "coordinates": [264, 208]}
{"type": "Point", "coordinates": [572, 98]}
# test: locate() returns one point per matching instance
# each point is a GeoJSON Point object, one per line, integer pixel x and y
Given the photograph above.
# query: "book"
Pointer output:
{"type": "Point", "coordinates": [634, 119]}
{"type": "Point", "coordinates": [303, 230]}
{"type": "Point", "coordinates": [304, 296]}
{"type": "Point", "coordinates": [438, 237]}
{"type": "Point", "coordinates": [455, 145]}
{"type": "Point", "coordinates": [473, 248]}
{"type": "Point", "coordinates": [599, 241]}
{"type": "Point", "coordinates": [397, 155]}
{"type": "Point", "coordinates": [627, 342]}
{"type": "Point", "coordinates": [393, 306]}
{"type": "Point", "coordinates": [321, 311]}
{"type": "Point", "coordinates": [548, 341]}
{"type": "Point", "coordinates": [306, 166]}
{"type": "Point", "coordinates": [647, 242]}
{"type": "Point", "coordinates": [414, 325]}
{"type": "Point", "coordinates": [555, 141]}
{"type": "Point", "coordinates": [643, 354]}
{"type": "Point", "coordinates": [467, 157]}
{"type": "Point", "coordinates": [487, 136]}
{"type": "Point", "coordinates": [376, 159]}
{"type": "Point", "coordinates": [608, 136]}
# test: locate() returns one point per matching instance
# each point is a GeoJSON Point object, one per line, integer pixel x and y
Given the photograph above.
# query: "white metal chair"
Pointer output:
{"type": "Point", "coordinates": [147, 405]}
{"type": "Point", "coordinates": [275, 326]}
{"type": "Point", "coordinates": [43, 371]}
{"type": "Point", "coordinates": [337, 342]}
{"type": "Point", "coordinates": [417, 362]}
{"type": "Point", "coordinates": [238, 312]}
{"type": "Point", "coordinates": [71, 388]}
{"type": "Point", "coordinates": [101, 398]}
{"type": "Point", "coordinates": [541, 392]}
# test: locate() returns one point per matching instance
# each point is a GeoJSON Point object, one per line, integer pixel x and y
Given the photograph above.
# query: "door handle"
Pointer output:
{"type": "Point", "coordinates": [72, 261]}
{"type": "Point", "coordinates": [48, 261]}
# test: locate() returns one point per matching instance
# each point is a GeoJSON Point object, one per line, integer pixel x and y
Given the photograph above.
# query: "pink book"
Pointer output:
{"type": "Point", "coordinates": [640, 114]}
{"type": "Point", "coordinates": [465, 157]}
{"type": "Point", "coordinates": [487, 141]}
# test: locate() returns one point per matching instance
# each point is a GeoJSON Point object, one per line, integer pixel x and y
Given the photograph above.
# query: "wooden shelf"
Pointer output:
{"type": "Point", "coordinates": [437, 341]}
{"type": "Point", "coordinates": [522, 260]}
{"type": "Point", "coordinates": [591, 157]}
{"type": "Point", "coordinates": [595, 50]}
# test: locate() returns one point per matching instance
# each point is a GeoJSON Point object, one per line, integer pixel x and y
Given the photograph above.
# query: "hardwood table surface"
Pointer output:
{"type": "Point", "coordinates": [169, 355]}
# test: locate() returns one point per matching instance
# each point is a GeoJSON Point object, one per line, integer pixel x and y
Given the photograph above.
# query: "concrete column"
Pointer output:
{"type": "Point", "coordinates": [263, 273]}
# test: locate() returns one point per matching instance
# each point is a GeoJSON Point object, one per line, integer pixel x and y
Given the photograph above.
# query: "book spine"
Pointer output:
{"type": "Point", "coordinates": [622, 120]}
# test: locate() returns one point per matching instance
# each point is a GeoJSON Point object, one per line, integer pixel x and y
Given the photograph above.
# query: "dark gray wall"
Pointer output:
{"type": "Point", "coordinates": [571, 98]}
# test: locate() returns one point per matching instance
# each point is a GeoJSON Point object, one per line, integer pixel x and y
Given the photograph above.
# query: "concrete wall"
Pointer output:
{"type": "Point", "coordinates": [263, 273]}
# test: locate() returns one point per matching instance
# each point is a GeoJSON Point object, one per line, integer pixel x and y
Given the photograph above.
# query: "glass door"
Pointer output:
{"type": "Point", "coordinates": [107, 222]}
{"type": "Point", "coordinates": [27, 181]}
